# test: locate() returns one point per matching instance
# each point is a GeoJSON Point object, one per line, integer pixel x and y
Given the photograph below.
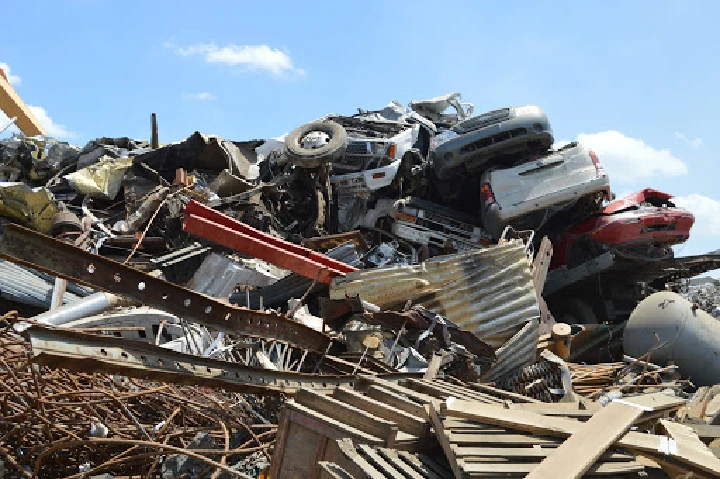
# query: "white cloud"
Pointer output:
{"type": "Point", "coordinates": [250, 57]}
{"type": "Point", "coordinates": [706, 211]}
{"type": "Point", "coordinates": [53, 129]}
{"type": "Point", "coordinates": [695, 143]}
{"type": "Point", "coordinates": [629, 159]}
{"type": "Point", "coordinates": [12, 79]}
{"type": "Point", "coordinates": [201, 96]}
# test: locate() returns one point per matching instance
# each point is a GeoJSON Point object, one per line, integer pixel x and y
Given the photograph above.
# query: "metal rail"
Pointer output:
{"type": "Point", "coordinates": [26, 247]}
{"type": "Point", "coordinates": [62, 348]}
{"type": "Point", "coordinates": [221, 229]}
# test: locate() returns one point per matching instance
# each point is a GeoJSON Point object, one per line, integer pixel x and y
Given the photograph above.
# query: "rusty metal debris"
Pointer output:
{"type": "Point", "coordinates": [386, 291]}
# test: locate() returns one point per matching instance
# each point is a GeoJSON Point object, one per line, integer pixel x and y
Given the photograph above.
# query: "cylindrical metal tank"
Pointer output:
{"type": "Point", "coordinates": [693, 336]}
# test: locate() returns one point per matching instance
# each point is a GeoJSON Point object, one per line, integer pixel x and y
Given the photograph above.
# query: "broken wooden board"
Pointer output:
{"type": "Point", "coordinates": [647, 444]}
{"type": "Point", "coordinates": [588, 444]}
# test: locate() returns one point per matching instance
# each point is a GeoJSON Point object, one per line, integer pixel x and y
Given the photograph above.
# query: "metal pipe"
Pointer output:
{"type": "Point", "coordinates": [671, 329]}
{"type": "Point", "coordinates": [88, 306]}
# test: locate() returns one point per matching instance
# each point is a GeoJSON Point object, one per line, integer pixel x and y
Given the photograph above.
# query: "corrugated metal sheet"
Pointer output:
{"type": "Point", "coordinates": [487, 292]}
{"type": "Point", "coordinates": [518, 351]}
{"type": "Point", "coordinates": [22, 285]}
{"type": "Point", "coordinates": [294, 285]}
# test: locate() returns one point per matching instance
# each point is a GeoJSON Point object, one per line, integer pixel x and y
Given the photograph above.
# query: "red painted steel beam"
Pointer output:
{"type": "Point", "coordinates": [221, 229]}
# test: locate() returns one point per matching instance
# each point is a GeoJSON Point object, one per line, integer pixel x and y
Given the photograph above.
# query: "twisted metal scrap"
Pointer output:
{"type": "Point", "coordinates": [54, 421]}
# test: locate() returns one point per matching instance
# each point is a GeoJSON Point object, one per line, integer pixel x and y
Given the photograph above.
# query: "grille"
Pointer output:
{"type": "Point", "coordinates": [490, 140]}
{"type": "Point", "coordinates": [489, 118]}
{"type": "Point", "coordinates": [357, 148]}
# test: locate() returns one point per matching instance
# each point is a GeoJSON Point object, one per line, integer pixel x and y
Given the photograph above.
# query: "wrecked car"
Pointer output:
{"type": "Point", "coordinates": [497, 136]}
{"type": "Point", "coordinates": [645, 224]}
{"type": "Point", "coordinates": [526, 195]}
{"type": "Point", "coordinates": [429, 228]}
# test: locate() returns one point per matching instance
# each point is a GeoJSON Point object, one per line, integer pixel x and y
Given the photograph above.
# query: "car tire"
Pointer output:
{"type": "Point", "coordinates": [313, 157]}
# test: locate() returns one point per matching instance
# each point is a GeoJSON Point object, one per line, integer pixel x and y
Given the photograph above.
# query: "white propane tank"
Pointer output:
{"type": "Point", "coordinates": [693, 336]}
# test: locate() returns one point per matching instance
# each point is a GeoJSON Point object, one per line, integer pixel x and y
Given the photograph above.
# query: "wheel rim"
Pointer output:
{"type": "Point", "coordinates": [314, 140]}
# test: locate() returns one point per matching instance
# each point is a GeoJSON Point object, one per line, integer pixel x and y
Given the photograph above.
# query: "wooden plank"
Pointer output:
{"type": "Point", "coordinates": [502, 394]}
{"type": "Point", "coordinates": [599, 469]}
{"type": "Point", "coordinates": [432, 370]}
{"type": "Point", "coordinates": [501, 439]}
{"type": "Point", "coordinates": [334, 455]}
{"type": "Point", "coordinates": [329, 470]}
{"type": "Point", "coordinates": [416, 396]}
{"type": "Point", "coordinates": [14, 106]}
{"type": "Point", "coordinates": [347, 448]}
{"type": "Point", "coordinates": [649, 444]}
{"type": "Point", "coordinates": [301, 448]}
{"type": "Point", "coordinates": [684, 435]}
{"type": "Point", "coordinates": [280, 443]}
{"type": "Point", "coordinates": [350, 415]}
{"type": "Point", "coordinates": [328, 426]}
{"type": "Point", "coordinates": [404, 468]}
{"type": "Point", "coordinates": [441, 391]}
{"type": "Point", "coordinates": [656, 402]}
{"type": "Point", "coordinates": [437, 424]}
{"type": "Point", "coordinates": [432, 463]}
{"type": "Point", "coordinates": [378, 461]}
{"type": "Point", "coordinates": [405, 422]}
{"type": "Point", "coordinates": [395, 400]}
{"type": "Point", "coordinates": [579, 452]}
{"type": "Point", "coordinates": [427, 471]}
{"type": "Point", "coordinates": [451, 387]}
{"type": "Point", "coordinates": [705, 431]}
{"type": "Point", "coordinates": [526, 453]}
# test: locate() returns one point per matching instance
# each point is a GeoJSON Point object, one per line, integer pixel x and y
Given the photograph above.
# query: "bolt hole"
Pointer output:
{"type": "Point", "coordinates": [208, 309]}
{"type": "Point", "coordinates": [103, 352]}
{"type": "Point", "coordinates": [91, 268]}
{"type": "Point", "coordinates": [141, 286]}
{"type": "Point", "coordinates": [187, 303]}
{"type": "Point", "coordinates": [117, 277]}
{"type": "Point", "coordinates": [164, 296]}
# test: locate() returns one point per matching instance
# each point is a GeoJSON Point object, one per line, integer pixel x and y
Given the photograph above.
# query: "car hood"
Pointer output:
{"type": "Point", "coordinates": [648, 195]}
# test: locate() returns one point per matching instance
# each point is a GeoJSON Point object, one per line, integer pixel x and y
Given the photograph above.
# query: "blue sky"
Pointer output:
{"type": "Point", "coordinates": [636, 81]}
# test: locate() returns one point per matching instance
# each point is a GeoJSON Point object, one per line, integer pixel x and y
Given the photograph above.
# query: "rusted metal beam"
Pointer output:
{"type": "Point", "coordinates": [62, 348]}
{"type": "Point", "coordinates": [221, 229]}
{"type": "Point", "coordinates": [26, 247]}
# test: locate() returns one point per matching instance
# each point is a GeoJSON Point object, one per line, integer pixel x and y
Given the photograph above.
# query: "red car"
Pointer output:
{"type": "Point", "coordinates": [644, 225]}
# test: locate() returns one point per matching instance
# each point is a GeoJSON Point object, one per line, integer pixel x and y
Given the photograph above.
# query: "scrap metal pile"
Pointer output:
{"type": "Point", "coordinates": [371, 266]}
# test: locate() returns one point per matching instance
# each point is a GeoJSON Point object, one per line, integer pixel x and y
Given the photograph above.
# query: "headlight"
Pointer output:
{"type": "Point", "coordinates": [527, 110]}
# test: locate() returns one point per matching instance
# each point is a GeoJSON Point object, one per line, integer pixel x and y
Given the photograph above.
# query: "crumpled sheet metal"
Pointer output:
{"type": "Point", "coordinates": [102, 179]}
{"type": "Point", "coordinates": [218, 275]}
{"type": "Point", "coordinates": [31, 207]}
{"type": "Point", "coordinates": [488, 292]}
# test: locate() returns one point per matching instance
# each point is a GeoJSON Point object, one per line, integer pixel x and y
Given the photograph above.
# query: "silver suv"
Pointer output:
{"type": "Point", "coordinates": [496, 137]}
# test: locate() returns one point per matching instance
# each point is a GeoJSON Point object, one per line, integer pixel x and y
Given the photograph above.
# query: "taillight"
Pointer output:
{"type": "Point", "coordinates": [596, 161]}
{"type": "Point", "coordinates": [486, 193]}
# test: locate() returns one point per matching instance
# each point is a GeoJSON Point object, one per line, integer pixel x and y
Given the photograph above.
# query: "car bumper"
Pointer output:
{"type": "Point", "coordinates": [364, 181]}
{"type": "Point", "coordinates": [664, 228]}
{"type": "Point", "coordinates": [472, 150]}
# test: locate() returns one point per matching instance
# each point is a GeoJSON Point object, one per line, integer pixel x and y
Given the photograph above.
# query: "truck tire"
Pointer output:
{"type": "Point", "coordinates": [578, 311]}
{"type": "Point", "coordinates": [313, 157]}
